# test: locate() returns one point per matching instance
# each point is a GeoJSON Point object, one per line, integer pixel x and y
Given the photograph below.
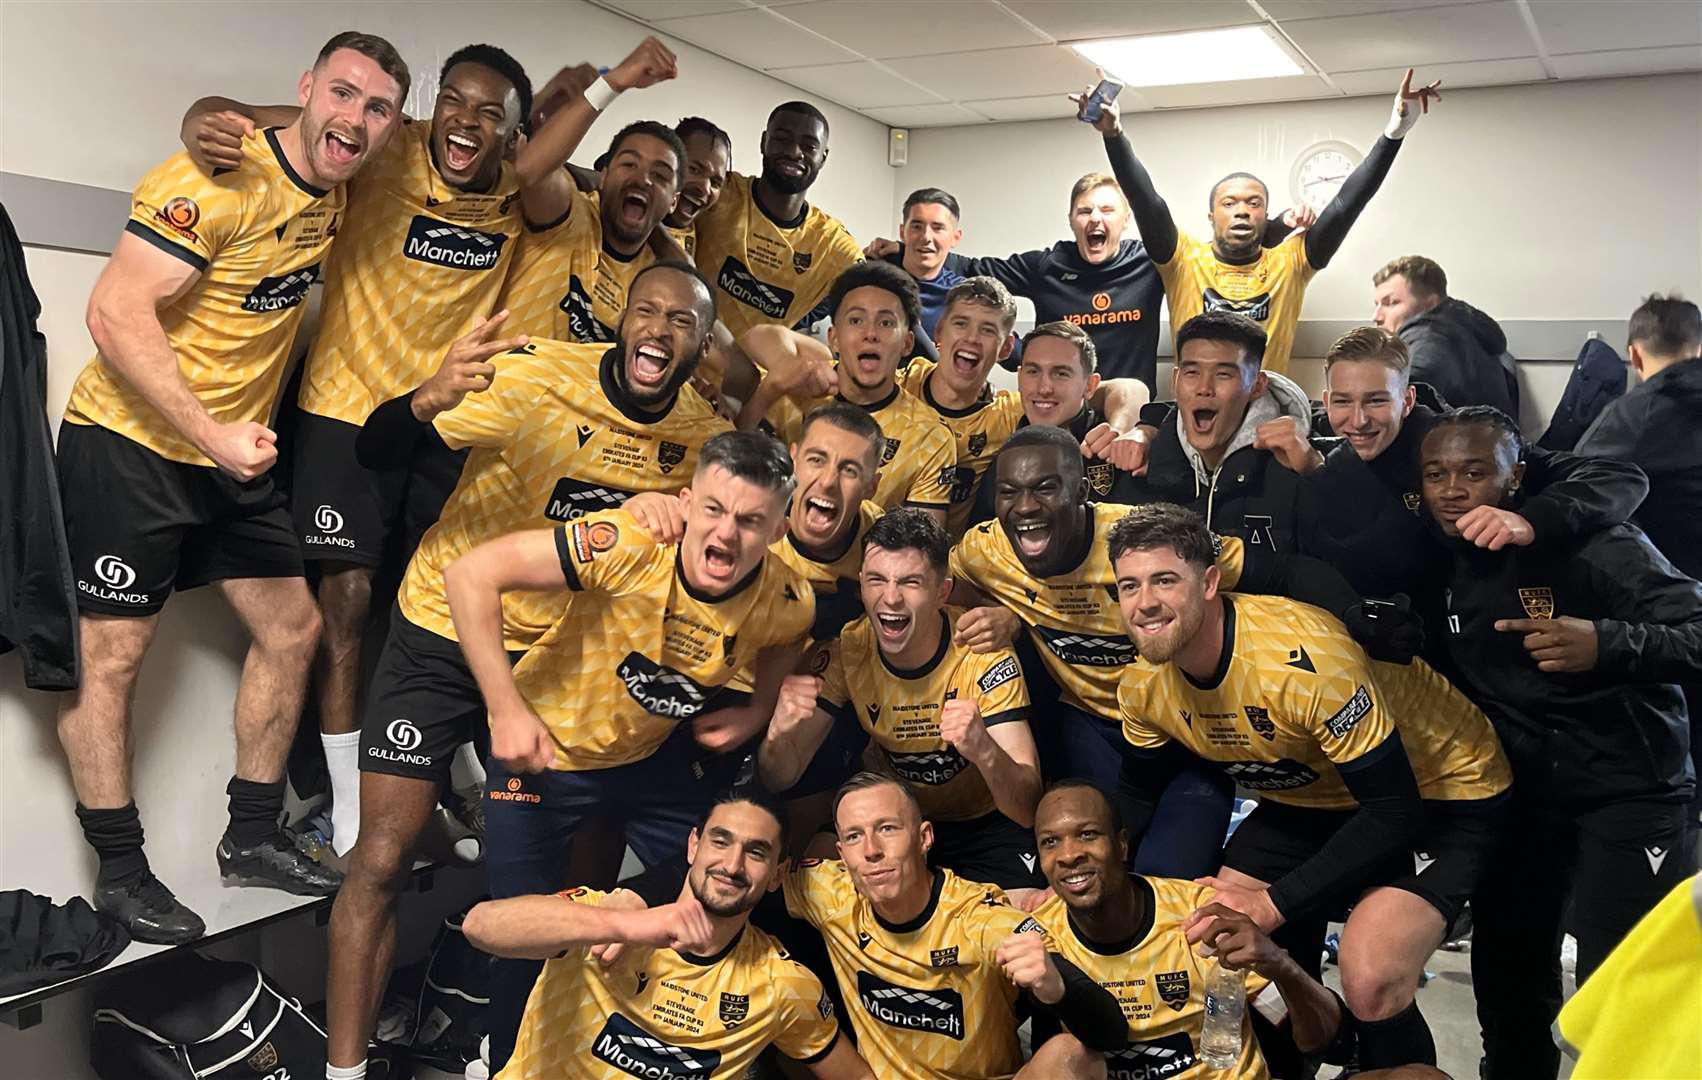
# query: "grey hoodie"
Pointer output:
{"type": "Point", "coordinates": [1282, 397]}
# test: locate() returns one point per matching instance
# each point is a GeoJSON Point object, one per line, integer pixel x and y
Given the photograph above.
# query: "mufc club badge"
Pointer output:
{"type": "Point", "coordinates": [1538, 602]}
{"type": "Point", "coordinates": [977, 443]}
{"type": "Point", "coordinates": [801, 261]}
{"type": "Point", "coordinates": [669, 454]}
{"type": "Point", "coordinates": [1260, 721]}
{"type": "Point", "coordinates": [1100, 476]}
{"type": "Point", "coordinates": [1172, 988]}
{"type": "Point", "coordinates": [734, 1008]}
{"type": "Point", "coordinates": [891, 450]}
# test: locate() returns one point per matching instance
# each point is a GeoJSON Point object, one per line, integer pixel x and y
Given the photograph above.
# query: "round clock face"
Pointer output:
{"type": "Point", "coordinates": [1320, 171]}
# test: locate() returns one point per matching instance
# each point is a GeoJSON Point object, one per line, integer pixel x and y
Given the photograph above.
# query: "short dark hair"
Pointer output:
{"type": "Point", "coordinates": [757, 797]}
{"type": "Point", "coordinates": [1211, 199]}
{"type": "Point", "coordinates": [1666, 326]}
{"type": "Point", "coordinates": [880, 275]}
{"type": "Point", "coordinates": [1227, 326]}
{"type": "Point", "coordinates": [909, 528]}
{"type": "Point", "coordinates": [1423, 275]}
{"type": "Point", "coordinates": [500, 62]}
{"type": "Point", "coordinates": [985, 291]}
{"type": "Point", "coordinates": [680, 266]}
{"type": "Point", "coordinates": [656, 131]}
{"type": "Point", "coordinates": [751, 456]}
{"type": "Point", "coordinates": [866, 780]}
{"type": "Point", "coordinates": [799, 108]}
{"type": "Point", "coordinates": [847, 417]}
{"type": "Point", "coordinates": [1506, 428]}
{"type": "Point", "coordinates": [1076, 783]}
{"type": "Point", "coordinates": [1068, 331]}
{"type": "Point", "coordinates": [697, 125]}
{"type": "Point", "coordinates": [1370, 343]}
{"type": "Point", "coordinates": [1159, 525]}
{"type": "Point", "coordinates": [1094, 180]}
{"type": "Point", "coordinates": [1075, 466]}
{"type": "Point", "coordinates": [376, 49]}
{"type": "Point", "coordinates": [933, 195]}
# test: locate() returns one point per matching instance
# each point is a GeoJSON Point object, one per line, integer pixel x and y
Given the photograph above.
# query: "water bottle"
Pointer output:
{"type": "Point", "coordinates": [1226, 1005]}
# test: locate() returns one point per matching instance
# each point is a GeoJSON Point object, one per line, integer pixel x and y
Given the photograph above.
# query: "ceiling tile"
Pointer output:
{"type": "Point", "coordinates": [867, 26]}
{"type": "Point", "coordinates": [755, 38]}
{"type": "Point", "coordinates": [1120, 18]}
{"type": "Point", "coordinates": [651, 10]}
{"type": "Point", "coordinates": [1320, 9]}
{"type": "Point", "coordinates": [1025, 72]}
{"type": "Point", "coordinates": [1580, 26]}
{"type": "Point", "coordinates": [1198, 95]}
{"type": "Point", "coordinates": [1593, 65]}
{"type": "Point", "coordinates": [925, 115]}
{"type": "Point", "coordinates": [1409, 38]}
{"type": "Point", "coordinates": [1471, 73]}
{"type": "Point", "coordinates": [1044, 107]}
{"type": "Point", "coordinates": [860, 85]}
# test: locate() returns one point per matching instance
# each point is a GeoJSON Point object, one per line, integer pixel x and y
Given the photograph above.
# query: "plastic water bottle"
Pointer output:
{"type": "Point", "coordinates": [1226, 1005]}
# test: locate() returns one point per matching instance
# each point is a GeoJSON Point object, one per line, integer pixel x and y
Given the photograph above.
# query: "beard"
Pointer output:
{"type": "Point", "coordinates": [1182, 630]}
{"type": "Point", "coordinates": [650, 399]}
{"type": "Point", "coordinates": [721, 909]}
{"type": "Point", "coordinates": [787, 185]}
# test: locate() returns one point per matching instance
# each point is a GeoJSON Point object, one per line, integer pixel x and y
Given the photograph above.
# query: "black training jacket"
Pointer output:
{"type": "Point", "coordinates": [38, 599]}
{"type": "Point", "coordinates": [1618, 731]}
{"type": "Point", "coordinates": [1367, 520]}
{"type": "Point", "coordinates": [1657, 426]}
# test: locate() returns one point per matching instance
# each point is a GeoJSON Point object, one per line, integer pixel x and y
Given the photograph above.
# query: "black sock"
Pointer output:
{"type": "Point", "coordinates": [254, 810]}
{"type": "Point", "coordinates": [116, 836]}
{"type": "Point", "coordinates": [1402, 1039]}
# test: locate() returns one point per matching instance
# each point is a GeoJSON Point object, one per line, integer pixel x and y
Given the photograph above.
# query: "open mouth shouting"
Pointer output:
{"type": "Point", "coordinates": [634, 207]}
{"type": "Point", "coordinates": [719, 563]}
{"type": "Point", "coordinates": [690, 205]}
{"type": "Point", "coordinates": [342, 149]}
{"type": "Point", "coordinates": [966, 361]}
{"type": "Point", "coordinates": [648, 368]}
{"type": "Point", "coordinates": [1033, 539]}
{"type": "Point", "coordinates": [460, 151]}
{"type": "Point", "coordinates": [893, 627]}
{"type": "Point", "coordinates": [819, 515]}
{"type": "Point", "coordinates": [1098, 239]}
{"type": "Point", "coordinates": [1202, 421]}
{"type": "Point", "coordinates": [869, 366]}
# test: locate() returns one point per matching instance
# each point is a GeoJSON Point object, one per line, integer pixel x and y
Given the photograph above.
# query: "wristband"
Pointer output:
{"type": "Point", "coordinates": [600, 95]}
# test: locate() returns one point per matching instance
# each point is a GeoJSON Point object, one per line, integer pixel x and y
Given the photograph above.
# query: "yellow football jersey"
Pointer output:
{"type": "Point", "coordinates": [928, 999]}
{"type": "Point", "coordinates": [919, 463]}
{"type": "Point", "coordinates": [901, 712]}
{"type": "Point", "coordinates": [257, 234]}
{"type": "Point", "coordinates": [686, 238]}
{"type": "Point", "coordinates": [1298, 699]}
{"type": "Point", "coordinates": [980, 432]}
{"type": "Point", "coordinates": [416, 262]}
{"type": "Point", "coordinates": [1268, 290]}
{"type": "Point", "coordinates": [550, 444]}
{"type": "Point", "coordinates": [566, 283]}
{"type": "Point", "coordinates": [1073, 618]}
{"type": "Point", "coordinates": [638, 650]}
{"type": "Point", "coordinates": [1160, 981]}
{"type": "Point", "coordinates": [768, 271]}
{"type": "Point", "coordinates": [655, 1012]}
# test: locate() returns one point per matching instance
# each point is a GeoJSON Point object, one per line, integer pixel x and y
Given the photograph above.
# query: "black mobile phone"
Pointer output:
{"type": "Point", "coordinates": [1103, 94]}
{"type": "Point", "coordinates": [1377, 609]}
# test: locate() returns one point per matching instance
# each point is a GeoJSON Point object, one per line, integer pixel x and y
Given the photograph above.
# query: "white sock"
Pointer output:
{"type": "Point", "coordinates": [342, 758]}
{"type": "Point", "coordinates": [353, 1072]}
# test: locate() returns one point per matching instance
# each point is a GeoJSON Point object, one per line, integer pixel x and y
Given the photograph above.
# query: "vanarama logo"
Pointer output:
{"type": "Point", "coordinates": [511, 792]}
{"type": "Point", "coordinates": [1103, 314]}
{"type": "Point", "coordinates": [113, 578]}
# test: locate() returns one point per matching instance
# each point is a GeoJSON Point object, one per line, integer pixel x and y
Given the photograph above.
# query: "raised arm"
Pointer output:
{"type": "Point", "coordinates": [214, 127]}
{"type": "Point", "coordinates": [123, 319]}
{"type": "Point", "coordinates": [572, 101]}
{"type": "Point", "coordinates": [797, 365]}
{"type": "Point", "coordinates": [474, 585]}
{"type": "Point", "coordinates": [1325, 238]}
{"type": "Point", "coordinates": [1152, 214]}
{"type": "Point", "coordinates": [541, 927]}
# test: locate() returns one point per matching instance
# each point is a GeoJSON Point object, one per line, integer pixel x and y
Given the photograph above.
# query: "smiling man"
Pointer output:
{"type": "Point", "coordinates": [165, 461]}
{"type": "Point", "coordinates": [934, 968]}
{"type": "Point", "coordinates": [1549, 640]}
{"type": "Point", "coordinates": [1129, 933]}
{"type": "Point", "coordinates": [771, 254]}
{"type": "Point", "coordinates": [709, 160]}
{"type": "Point", "coordinates": [422, 254]}
{"type": "Point", "coordinates": [952, 722]}
{"type": "Point", "coordinates": [554, 431]}
{"type": "Point", "coordinates": [694, 989]}
{"type": "Point", "coordinates": [1381, 786]}
{"type": "Point", "coordinates": [619, 708]}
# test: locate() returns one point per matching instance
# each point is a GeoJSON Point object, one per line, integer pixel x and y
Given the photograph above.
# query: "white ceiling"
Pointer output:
{"type": "Point", "coordinates": [928, 63]}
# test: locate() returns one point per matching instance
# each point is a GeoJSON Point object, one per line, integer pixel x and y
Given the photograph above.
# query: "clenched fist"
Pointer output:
{"type": "Point", "coordinates": [1028, 964]}
{"type": "Point", "coordinates": [963, 730]}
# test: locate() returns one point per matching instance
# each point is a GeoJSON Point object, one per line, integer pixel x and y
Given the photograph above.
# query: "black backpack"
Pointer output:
{"type": "Point", "coordinates": [448, 1019]}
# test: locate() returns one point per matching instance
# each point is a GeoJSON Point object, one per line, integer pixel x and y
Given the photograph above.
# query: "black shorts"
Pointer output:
{"type": "Point", "coordinates": [991, 848]}
{"type": "Point", "coordinates": [140, 525]}
{"type": "Point", "coordinates": [422, 704]}
{"type": "Point", "coordinates": [1443, 866]}
{"type": "Point", "coordinates": [342, 511]}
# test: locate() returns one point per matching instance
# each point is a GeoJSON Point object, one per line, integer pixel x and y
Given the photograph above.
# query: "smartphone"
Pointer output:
{"type": "Point", "coordinates": [1103, 94]}
{"type": "Point", "coordinates": [1380, 609]}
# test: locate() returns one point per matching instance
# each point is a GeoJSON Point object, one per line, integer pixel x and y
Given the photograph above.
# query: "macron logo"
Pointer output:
{"type": "Point", "coordinates": [1656, 856]}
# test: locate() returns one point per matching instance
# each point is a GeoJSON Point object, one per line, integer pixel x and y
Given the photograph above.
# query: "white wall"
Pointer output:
{"type": "Point", "coordinates": [1547, 202]}
{"type": "Point", "coordinates": [93, 93]}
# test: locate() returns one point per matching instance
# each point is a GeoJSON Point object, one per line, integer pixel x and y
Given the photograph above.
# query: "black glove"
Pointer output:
{"type": "Point", "coordinates": [1389, 630]}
